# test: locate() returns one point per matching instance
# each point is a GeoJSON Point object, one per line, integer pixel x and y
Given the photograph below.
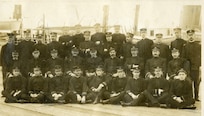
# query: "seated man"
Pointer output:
{"type": "Point", "coordinates": [117, 87]}
{"type": "Point", "coordinates": [58, 86]}
{"type": "Point", "coordinates": [98, 86]}
{"type": "Point", "coordinates": [181, 92]}
{"type": "Point", "coordinates": [134, 89]}
{"type": "Point", "coordinates": [15, 90]}
{"type": "Point", "coordinates": [77, 87]}
{"type": "Point", "coordinates": [157, 89]}
{"type": "Point", "coordinates": [37, 86]}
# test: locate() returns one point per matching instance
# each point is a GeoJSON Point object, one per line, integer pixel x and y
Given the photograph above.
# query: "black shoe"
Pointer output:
{"type": "Point", "coordinates": [125, 104]}
{"type": "Point", "coordinates": [188, 107]}
{"type": "Point", "coordinates": [105, 101]}
{"type": "Point", "coordinates": [197, 100]}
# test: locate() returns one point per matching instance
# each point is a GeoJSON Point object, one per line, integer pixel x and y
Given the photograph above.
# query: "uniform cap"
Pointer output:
{"type": "Point", "coordinates": [100, 67]}
{"type": "Point", "coordinates": [177, 29]}
{"type": "Point", "coordinates": [53, 33]}
{"type": "Point", "coordinates": [10, 34]}
{"type": "Point", "coordinates": [58, 67]}
{"type": "Point", "coordinates": [27, 31]}
{"type": "Point", "coordinates": [158, 68]}
{"type": "Point", "coordinates": [111, 49]}
{"type": "Point", "coordinates": [155, 48]}
{"type": "Point", "coordinates": [35, 51]}
{"type": "Point", "coordinates": [174, 50]}
{"type": "Point", "coordinates": [181, 70]}
{"type": "Point", "coordinates": [93, 50]}
{"type": "Point", "coordinates": [134, 48]}
{"type": "Point", "coordinates": [74, 49]}
{"type": "Point", "coordinates": [87, 32]}
{"type": "Point", "coordinates": [143, 29]}
{"type": "Point", "coordinates": [54, 51]}
{"type": "Point", "coordinates": [190, 31]}
{"type": "Point", "coordinates": [159, 35]}
{"type": "Point", "coordinates": [130, 34]}
{"type": "Point", "coordinates": [108, 33]}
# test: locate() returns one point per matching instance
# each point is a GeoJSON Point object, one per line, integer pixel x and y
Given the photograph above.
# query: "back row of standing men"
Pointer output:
{"type": "Point", "coordinates": [110, 50]}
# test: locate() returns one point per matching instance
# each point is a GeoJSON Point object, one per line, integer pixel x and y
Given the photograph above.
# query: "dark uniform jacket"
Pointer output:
{"type": "Point", "coordinates": [157, 83]}
{"type": "Point", "coordinates": [77, 39]}
{"type": "Point", "coordinates": [37, 84]}
{"type": "Point", "coordinates": [78, 85]}
{"type": "Point", "coordinates": [93, 62]}
{"type": "Point", "coordinates": [16, 83]}
{"type": "Point", "coordinates": [144, 47]}
{"type": "Point", "coordinates": [37, 62]}
{"type": "Point", "coordinates": [176, 64]}
{"type": "Point", "coordinates": [126, 49]}
{"type": "Point", "coordinates": [74, 61]}
{"type": "Point", "coordinates": [42, 49]}
{"type": "Point", "coordinates": [111, 64]}
{"type": "Point", "coordinates": [118, 84]}
{"type": "Point", "coordinates": [99, 36]}
{"type": "Point", "coordinates": [154, 62]}
{"type": "Point", "coordinates": [181, 89]}
{"type": "Point", "coordinates": [58, 84]}
{"type": "Point", "coordinates": [192, 52]}
{"type": "Point", "coordinates": [26, 50]}
{"type": "Point", "coordinates": [136, 86]}
{"type": "Point", "coordinates": [119, 39]}
{"type": "Point", "coordinates": [57, 46]}
{"type": "Point", "coordinates": [134, 60]}
{"type": "Point", "coordinates": [178, 44]}
{"type": "Point", "coordinates": [164, 50]}
{"type": "Point", "coordinates": [51, 63]}
{"type": "Point", "coordinates": [67, 43]}
{"type": "Point", "coordinates": [95, 81]}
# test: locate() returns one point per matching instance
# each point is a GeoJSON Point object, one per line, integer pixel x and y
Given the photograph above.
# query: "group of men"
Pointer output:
{"type": "Point", "coordinates": [103, 67]}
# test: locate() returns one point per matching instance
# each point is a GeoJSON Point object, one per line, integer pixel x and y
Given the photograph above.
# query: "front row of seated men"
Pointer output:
{"type": "Point", "coordinates": [117, 88]}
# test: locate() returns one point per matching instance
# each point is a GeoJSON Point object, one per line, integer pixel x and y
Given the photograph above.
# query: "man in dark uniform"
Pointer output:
{"type": "Point", "coordinates": [164, 49]}
{"type": "Point", "coordinates": [119, 39]}
{"type": "Point", "coordinates": [144, 45]}
{"type": "Point", "coordinates": [86, 45]}
{"type": "Point", "coordinates": [26, 46]}
{"type": "Point", "coordinates": [16, 84]}
{"type": "Point", "coordinates": [78, 37]}
{"type": "Point", "coordinates": [155, 61]}
{"type": "Point", "coordinates": [112, 62]}
{"type": "Point", "coordinates": [52, 62]}
{"type": "Point", "coordinates": [134, 60]}
{"type": "Point", "coordinates": [67, 43]}
{"type": "Point", "coordinates": [98, 37]}
{"type": "Point", "coordinates": [192, 52]}
{"type": "Point", "coordinates": [77, 87]}
{"type": "Point", "coordinates": [108, 45]}
{"type": "Point", "coordinates": [6, 55]}
{"type": "Point", "coordinates": [181, 92]}
{"type": "Point", "coordinates": [54, 44]}
{"type": "Point", "coordinates": [176, 64]}
{"type": "Point", "coordinates": [93, 61]}
{"type": "Point", "coordinates": [157, 89]}
{"type": "Point", "coordinates": [127, 46]}
{"type": "Point", "coordinates": [98, 86]}
{"type": "Point", "coordinates": [36, 61]}
{"type": "Point", "coordinates": [42, 49]}
{"type": "Point", "coordinates": [178, 42]}
{"type": "Point", "coordinates": [58, 86]}
{"type": "Point", "coordinates": [74, 60]}
{"type": "Point", "coordinates": [37, 86]}
{"type": "Point", "coordinates": [135, 87]}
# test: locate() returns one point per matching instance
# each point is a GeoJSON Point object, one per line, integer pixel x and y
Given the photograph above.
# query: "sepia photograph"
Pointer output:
{"type": "Point", "coordinates": [101, 57]}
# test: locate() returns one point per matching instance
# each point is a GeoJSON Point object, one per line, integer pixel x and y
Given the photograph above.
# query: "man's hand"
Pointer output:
{"type": "Point", "coordinates": [78, 98]}
{"type": "Point", "coordinates": [83, 100]}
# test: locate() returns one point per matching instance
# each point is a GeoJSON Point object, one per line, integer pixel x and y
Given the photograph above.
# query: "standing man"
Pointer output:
{"type": "Point", "coordinates": [144, 45]}
{"type": "Point", "coordinates": [119, 39]}
{"type": "Point", "coordinates": [78, 37]}
{"type": "Point", "coordinates": [127, 46]}
{"type": "Point", "coordinates": [164, 49]}
{"type": "Point", "coordinates": [192, 52]}
{"type": "Point", "coordinates": [178, 42]}
{"type": "Point", "coordinates": [98, 37]}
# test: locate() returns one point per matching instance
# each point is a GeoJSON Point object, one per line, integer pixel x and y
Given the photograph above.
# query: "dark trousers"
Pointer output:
{"type": "Point", "coordinates": [14, 99]}
{"type": "Point", "coordinates": [71, 97]}
{"type": "Point", "coordinates": [162, 99]}
{"type": "Point", "coordinates": [117, 99]}
{"type": "Point", "coordinates": [196, 82]}
{"type": "Point", "coordinates": [39, 99]}
{"type": "Point", "coordinates": [135, 102]}
{"type": "Point", "coordinates": [174, 104]}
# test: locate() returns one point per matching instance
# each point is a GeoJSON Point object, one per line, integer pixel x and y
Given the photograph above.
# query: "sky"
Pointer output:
{"type": "Point", "coordinates": [153, 13]}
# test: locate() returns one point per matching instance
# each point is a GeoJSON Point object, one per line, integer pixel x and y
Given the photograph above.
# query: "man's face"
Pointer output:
{"type": "Point", "coordinates": [134, 52]}
{"type": "Point", "coordinates": [128, 38]}
{"type": "Point", "coordinates": [112, 53]}
{"type": "Point", "coordinates": [158, 39]}
{"type": "Point", "coordinates": [58, 72]}
{"type": "Point", "coordinates": [37, 71]}
{"type": "Point", "coordinates": [155, 53]}
{"type": "Point", "coordinates": [75, 53]}
{"type": "Point", "coordinates": [175, 54]}
{"type": "Point", "coordinates": [121, 73]}
{"type": "Point", "coordinates": [191, 36]}
{"type": "Point", "coordinates": [109, 38]}
{"type": "Point", "coordinates": [36, 54]}
{"type": "Point", "coordinates": [97, 28]}
{"type": "Point", "coordinates": [182, 76]}
{"type": "Point", "coordinates": [99, 72]}
{"type": "Point", "coordinates": [87, 37]}
{"type": "Point", "coordinates": [53, 37]}
{"type": "Point", "coordinates": [15, 55]}
{"type": "Point", "coordinates": [54, 54]}
{"type": "Point", "coordinates": [77, 72]}
{"type": "Point", "coordinates": [27, 34]}
{"type": "Point", "coordinates": [178, 34]}
{"type": "Point", "coordinates": [16, 72]}
{"type": "Point", "coordinates": [158, 73]}
{"type": "Point", "coordinates": [136, 73]}
{"type": "Point", "coordinates": [117, 29]}
{"type": "Point", "coordinates": [93, 54]}
{"type": "Point", "coordinates": [143, 34]}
